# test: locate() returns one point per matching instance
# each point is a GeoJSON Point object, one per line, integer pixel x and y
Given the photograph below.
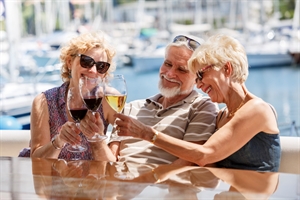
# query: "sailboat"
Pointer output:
{"type": "Point", "coordinates": [17, 92]}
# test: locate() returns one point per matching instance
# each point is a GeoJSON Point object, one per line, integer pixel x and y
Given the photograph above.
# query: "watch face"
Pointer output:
{"type": "Point", "coordinates": [154, 136]}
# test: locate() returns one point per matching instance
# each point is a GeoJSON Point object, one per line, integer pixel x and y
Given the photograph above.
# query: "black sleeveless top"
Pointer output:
{"type": "Point", "coordinates": [261, 153]}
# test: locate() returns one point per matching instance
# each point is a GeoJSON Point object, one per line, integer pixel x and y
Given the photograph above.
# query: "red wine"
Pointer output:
{"type": "Point", "coordinates": [93, 103]}
{"type": "Point", "coordinates": [78, 113]}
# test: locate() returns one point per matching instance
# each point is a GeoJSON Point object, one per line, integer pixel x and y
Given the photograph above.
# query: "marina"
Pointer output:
{"type": "Point", "coordinates": [140, 38]}
{"type": "Point", "coordinates": [36, 162]}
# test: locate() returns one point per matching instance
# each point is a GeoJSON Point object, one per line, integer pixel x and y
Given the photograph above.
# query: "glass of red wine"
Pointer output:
{"type": "Point", "coordinates": [77, 110]}
{"type": "Point", "coordinates": [91, 90]}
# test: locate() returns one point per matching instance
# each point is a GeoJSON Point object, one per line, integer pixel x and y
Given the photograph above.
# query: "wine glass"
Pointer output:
{"type": "Point", "coordinates": [77, 110]}
{"type": "Point", "coordinates": [123, 172]}
{"type": "Point", "coordinates": [91, 90]}
{"type": "Point", "coordinates": [115, 92]}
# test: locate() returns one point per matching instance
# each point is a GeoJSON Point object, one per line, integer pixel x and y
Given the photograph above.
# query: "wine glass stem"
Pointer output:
{"type": "Point", "coordinates": [78, 126]}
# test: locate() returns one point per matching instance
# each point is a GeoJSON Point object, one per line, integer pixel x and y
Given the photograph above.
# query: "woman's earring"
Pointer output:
{"type": "Point", "coordinates": [70, 73]}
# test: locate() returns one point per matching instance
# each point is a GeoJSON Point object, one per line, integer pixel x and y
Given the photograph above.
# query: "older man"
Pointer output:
{"type": "Point", "coordinates": [178, 110]}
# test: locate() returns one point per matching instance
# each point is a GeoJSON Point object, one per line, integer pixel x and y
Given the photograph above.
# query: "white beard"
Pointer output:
{"type": "Point", "coordinates": [168, 92]}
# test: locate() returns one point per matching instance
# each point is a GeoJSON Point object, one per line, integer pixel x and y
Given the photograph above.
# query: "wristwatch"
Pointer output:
{"type": "Point", "coordinates": [154, 136]}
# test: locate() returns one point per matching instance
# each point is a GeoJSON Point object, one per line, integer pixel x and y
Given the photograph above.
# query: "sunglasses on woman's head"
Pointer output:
{"type": "Point", "coordinates": [88, 62]}
{"type": "Point", "coordinates": [192, 44]}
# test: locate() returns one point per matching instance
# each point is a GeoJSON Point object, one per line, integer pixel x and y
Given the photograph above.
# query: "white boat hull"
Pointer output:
{"type": "Point", "coordinates": [269, 60]}
{"type": "Point", "coordinates": [16, 100]}
{"type": "Point", "coordinates": [143, 64]}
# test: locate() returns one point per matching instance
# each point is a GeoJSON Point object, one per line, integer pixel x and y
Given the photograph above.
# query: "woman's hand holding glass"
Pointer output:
{"type": "Point", "coordinates": [91, 124]}
{"type": "Point", "coordinates": [91, 90]}
{"type": "Point", "coordinates": [68, 133]}
{"type": "Point", "coordinates": [77, 110]}
{"type": "Point", "coordinates": [130, 127]}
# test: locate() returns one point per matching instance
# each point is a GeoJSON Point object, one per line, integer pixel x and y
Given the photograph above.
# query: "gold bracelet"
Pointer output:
{"type": "Point", "coordinates": [53, 143]}
{"type": "Point", "coordinates": [157, 180]}
{"type": "Point", "coordinates": [154, 136]}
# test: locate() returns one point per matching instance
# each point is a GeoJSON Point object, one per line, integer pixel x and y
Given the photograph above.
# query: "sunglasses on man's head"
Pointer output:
{"type": "Point", "coordinates": [88, 62]}
{"type": "Point", "coordinates": [192, 44]}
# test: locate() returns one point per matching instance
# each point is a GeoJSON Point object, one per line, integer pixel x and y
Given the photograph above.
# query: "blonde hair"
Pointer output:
{"type": "Point", "coordinates": [82, 44]}
{"type": "Point", "coordinates": [217, 51]}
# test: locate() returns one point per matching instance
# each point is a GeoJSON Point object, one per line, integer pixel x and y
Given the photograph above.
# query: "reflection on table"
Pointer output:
{"type": "Point", "coordinates": [23, 178]}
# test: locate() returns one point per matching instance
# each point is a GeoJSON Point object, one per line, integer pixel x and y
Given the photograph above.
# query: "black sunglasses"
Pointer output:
{"type": "Point", "coordinates": [201, 72]}
{"type": "Point", "coordinates": [192, 44]}
{"type": "Point", "coordinates": [88, 62]}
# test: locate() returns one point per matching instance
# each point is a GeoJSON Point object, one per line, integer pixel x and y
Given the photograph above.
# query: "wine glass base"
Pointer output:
{"type": "Point", "coordinates": [97, 138]}
{"type": "Point", "coordinates": [97, 176]}
{"type": "Point", "coordinates": [76, 148]}
{"type": "Point", "coordinates": [124, 175]}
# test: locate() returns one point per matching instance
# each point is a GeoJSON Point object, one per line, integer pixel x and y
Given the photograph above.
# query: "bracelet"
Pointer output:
{"type": "Point", "coordinates": [53, 143]}
{"type": "Point", "coordinates": [157, 180]}
{"type": "Point", "coordinates": [154, 136]}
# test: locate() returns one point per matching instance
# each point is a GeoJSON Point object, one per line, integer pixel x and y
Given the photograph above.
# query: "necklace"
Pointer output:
{"type": "Point", "coordinates": [231, 114]}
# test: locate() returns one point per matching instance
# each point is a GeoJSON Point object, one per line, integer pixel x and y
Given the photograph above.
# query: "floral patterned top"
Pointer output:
{"type": "Point", "coordinates": [58, 116]}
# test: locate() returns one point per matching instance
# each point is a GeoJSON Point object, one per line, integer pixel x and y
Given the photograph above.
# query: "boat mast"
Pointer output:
{"type": "Point", "coordinates": [13, 30]}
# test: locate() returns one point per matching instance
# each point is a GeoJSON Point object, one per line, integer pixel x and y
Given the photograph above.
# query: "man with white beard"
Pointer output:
{"type": "Point", "coordinates": [178, 110]}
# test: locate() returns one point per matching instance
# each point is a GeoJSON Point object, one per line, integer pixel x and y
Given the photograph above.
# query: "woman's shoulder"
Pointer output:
{"type": "Point", "coordinates": [264, 112]}
{"type": "Point", "coordinates": [258, 103]}
{"type": "Point", "coordinates": [39, 98]}
{"type": "Point", "coordinates": [56, 91]}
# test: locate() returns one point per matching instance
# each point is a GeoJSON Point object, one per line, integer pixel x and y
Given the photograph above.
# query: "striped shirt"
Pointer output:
{"type": "Point", "coordinates": [192, 119]}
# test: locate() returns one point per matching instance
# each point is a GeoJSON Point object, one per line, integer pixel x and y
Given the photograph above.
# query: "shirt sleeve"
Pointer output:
{"type": "Point", "coordinates": [202, 120]}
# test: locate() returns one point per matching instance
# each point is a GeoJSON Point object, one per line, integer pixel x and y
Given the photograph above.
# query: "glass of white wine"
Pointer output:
{"type": "Point", "coordinates": [115, 92]}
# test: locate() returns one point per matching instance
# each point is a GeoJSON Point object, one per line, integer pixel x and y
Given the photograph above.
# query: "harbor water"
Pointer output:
{"type": "Point", "coordinates": [279, 86]}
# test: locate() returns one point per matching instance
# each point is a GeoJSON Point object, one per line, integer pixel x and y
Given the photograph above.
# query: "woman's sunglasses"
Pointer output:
{"type": "Point", "coordinates": [201, 72]}
{"type": "Point", "coordinates": [88, 62]}
{"type": "Point", "coordinates": [192, 44]}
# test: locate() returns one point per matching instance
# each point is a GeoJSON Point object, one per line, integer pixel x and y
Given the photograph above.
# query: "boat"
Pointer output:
{"type": "Point", "coordinates": [260, 53]}
{"type": "Point", "coordinates": [269, 54]}
{"type": "Point", "coordinates": [145, 62]}
{"type": "Point", "coordinates": [16, 100]}
{"type": "Point", "coordinates": [148, 61]}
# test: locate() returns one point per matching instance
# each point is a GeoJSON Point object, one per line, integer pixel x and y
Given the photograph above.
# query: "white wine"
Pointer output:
{"type": "Point", "coordinates": [117, 102]}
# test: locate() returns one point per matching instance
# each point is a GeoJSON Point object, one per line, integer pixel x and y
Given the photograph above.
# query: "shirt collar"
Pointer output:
{"type": "Point", "coordinates": [189, 99]}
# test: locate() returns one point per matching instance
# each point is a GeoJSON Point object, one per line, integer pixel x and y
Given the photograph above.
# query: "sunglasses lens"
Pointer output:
{"type": "Point", "coordinates": [102, 67]}
{"type": "Point", "coordinates": [180, 39]}
{"type": "Point", "coordinates": [86, 61]}
{"type": "Point", "coordinates": [199, 75]}
{"type": "Point", "coordinates": [193, 44]}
